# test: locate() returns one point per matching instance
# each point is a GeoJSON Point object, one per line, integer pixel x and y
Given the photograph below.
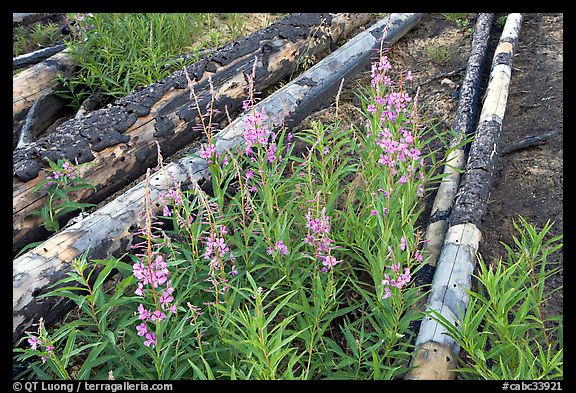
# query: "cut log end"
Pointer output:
{"type": "Point", "coordinates": [432, 361]}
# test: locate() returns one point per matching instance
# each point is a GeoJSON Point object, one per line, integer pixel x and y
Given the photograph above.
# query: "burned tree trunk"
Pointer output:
{"type": "Point", "coordinates": [35, 82]}
{"type": "Point", "coordinates": [466, 117]}
{"type": "Point", "coordinates": [119, 140]}
{"type": "Point", "coordinates": [109, 230]}
{"type": "Point", "coordinates": [436, 352]}
{"type": "Point", "coordinates": [36, 56]}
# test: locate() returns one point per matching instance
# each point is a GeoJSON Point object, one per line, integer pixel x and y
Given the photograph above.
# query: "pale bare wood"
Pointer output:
{"type": "Point", "coordinates": [433, 361]}
{"type": "Point", "coordinates": [456, 263]}
{"type": "Point", "coordinates": [39, 80]}
{"type": "Point", "coordinates": [108, 230]}
{"type": "Point", "coordinates": [125, 157]}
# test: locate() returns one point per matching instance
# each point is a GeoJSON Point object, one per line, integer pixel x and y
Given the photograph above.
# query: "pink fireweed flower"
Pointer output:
{"type": "Point", "coordinates": [329, 262]}
{"type": "Point", "coordinates": [399, 282]}
{"type": "Point", "coordinates": [319, 238]}
{"type": "Point", "coordinates": [150, 340]}
{"type": "Point", "coordinates": [371, 108]}
{"type": "Point", "coordinates": [50, 349]}
{"type": "Point", "coordinates": [419, 256]}
{"type": "Point", "coordinates": [165, 299]}
{"type": "Point", "coordinates": [140, 290]}
{"type": "Point", "coordinates": [271, 152]}
{"type": "Point", "coordinates": [142, 329]}
{"type": "Point", "coordinates": [157, 315]}
{"type": "Point", "coordinates": [403, 179]}
{"type": "Point", "coordinates": [141, 272]}
{"type": "Point", "coordinates": [403, 243]}
{"type": "Point", "coordinates": [278, 246]}
{"type": "Point", "coordinates": [387, 293]}
{"type": "Point", "coordinates": [33, 341]}
{"type": "Point", "coordinates": [167, 212]}
{"type": "Point", "coordinates": [144, 313]}
{"type": "Point", "coordinates": [206, 151]}
{"type": "Point", "coordinates": [373, 212]}
{"type": "Point", "coordinates": [386, 280]}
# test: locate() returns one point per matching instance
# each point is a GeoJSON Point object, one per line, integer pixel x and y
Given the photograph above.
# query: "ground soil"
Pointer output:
{"type": "Point", "coordinates": [526, 182]}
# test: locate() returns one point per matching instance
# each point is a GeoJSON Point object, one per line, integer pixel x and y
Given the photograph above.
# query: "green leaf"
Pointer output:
{"type": "Point", "coordinates": [66, 354]}
{"type": "Point", "coordinates": [93, 360]}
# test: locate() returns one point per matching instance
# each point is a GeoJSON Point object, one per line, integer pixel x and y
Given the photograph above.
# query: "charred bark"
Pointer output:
{"type": "Point", "coordinates": [109, 230]}
{"type": "Point", "coordinates": [119, 140]}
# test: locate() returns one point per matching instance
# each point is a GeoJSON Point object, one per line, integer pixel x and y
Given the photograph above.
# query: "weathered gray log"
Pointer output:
{"type": "Point", "coordinates": [457, 260]}
{"type": "Point", "coordinates": [37, 81]}
{"type": "Point", "coordinates": [464, 124]}
{"type": "Point", "coordinates": [119, 140]}
{"type": "Point", "coordinates": [109, 230]}
{"type": "Point", "coordinates": [23, 18]}
{"type": "Point", "coordinates": [45, 110]}
{"type": "Point", "coordinates": [36, 56]}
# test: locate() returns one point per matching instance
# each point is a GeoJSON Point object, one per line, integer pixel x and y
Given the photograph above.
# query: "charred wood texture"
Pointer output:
{"type": "Point", "coordinates": [464, 125]}
{"type": "Point", "coordinates": [35, 82]}
{"type": "Point", "coordinates": [449, 295]}
{"type": "Point", "coordinates": [109, 230]}
{"type": "Point", "coordinates": [472, 200]}
{"type": "Point", "coordinates": [36, 56]}
{"type": "Point", "coordinates": [120, 140]}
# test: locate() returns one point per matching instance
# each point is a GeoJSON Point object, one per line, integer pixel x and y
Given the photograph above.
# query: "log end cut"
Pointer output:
{"type": "Point", "coordinates": [433, 361]}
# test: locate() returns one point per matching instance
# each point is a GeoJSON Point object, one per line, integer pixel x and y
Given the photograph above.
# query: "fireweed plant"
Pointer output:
{"type": "Point", "coordinates": [288, 264]}
{"type": "Point", "coordinates": [62, 180]}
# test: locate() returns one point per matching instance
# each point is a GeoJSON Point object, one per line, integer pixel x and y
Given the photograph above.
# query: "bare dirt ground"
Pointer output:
{"type": "Point", "coordinates": [527, 182]}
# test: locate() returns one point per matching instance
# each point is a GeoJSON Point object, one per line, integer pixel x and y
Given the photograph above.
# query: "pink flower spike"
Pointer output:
{"type": "Point", "coordinates": [144, 313]}
{"type": "Point", "coordinates": [142, 329]}
{"type": "Point", "coordinates": [150, 340]}
{"type": "Point", "coordinates": [373, 212]}
{"type": "Point", "coordinates": [395, 267]}
{"type": "Point", "coordinates": [33, 341]}
{"type": "Point", "coordinates": [166, 212]}
{"type": "Point", "coordinates": [387, 293]}
{"type": "Point", "coordinates": [403, 243]}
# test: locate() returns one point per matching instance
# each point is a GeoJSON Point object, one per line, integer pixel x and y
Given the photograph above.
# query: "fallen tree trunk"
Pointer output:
{"type": "Point", "coordinates": [36, 56]}
{"type": "Point", "coordinates": [120, 140]}
{"type": "Point", "coordinates": [35, 82]}
{"type": "Point", "coordinates": [44, 112]}
{"type": "Point", "coordinates": [22, 18]}
{"type": "Point", "coordinates": [464, 125]}
{"type": "Point", "coordinates": [436, 354]}
{"type": "Point", "coordinates": [110, 229]}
